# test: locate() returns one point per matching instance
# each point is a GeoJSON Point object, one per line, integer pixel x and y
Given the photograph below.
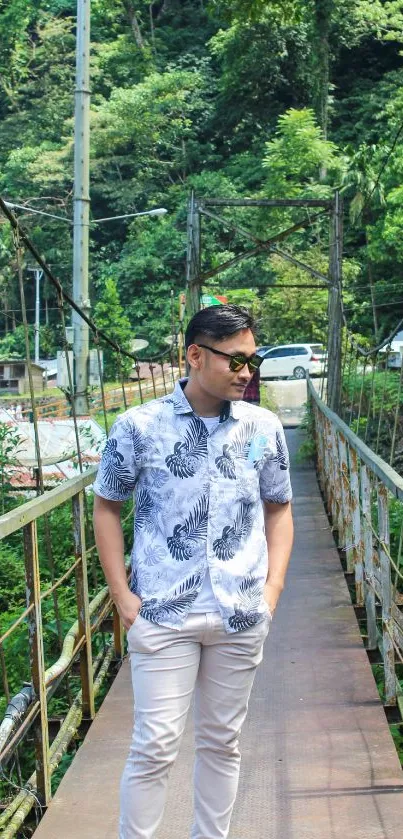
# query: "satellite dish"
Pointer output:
{"type": "Point", "coordinates": [138, 344]}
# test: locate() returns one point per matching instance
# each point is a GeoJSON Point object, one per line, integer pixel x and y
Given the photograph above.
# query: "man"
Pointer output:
{"type": "Point", "coordinates": [213, 536]}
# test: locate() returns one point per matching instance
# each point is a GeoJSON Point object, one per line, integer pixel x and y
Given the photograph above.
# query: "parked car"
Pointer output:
{"type": "Point", "coordinates": [292, 360]}
{"type": "Point", "coordinates": [262, 350]}
{"type": "Point", "coordinates": [393, 352]}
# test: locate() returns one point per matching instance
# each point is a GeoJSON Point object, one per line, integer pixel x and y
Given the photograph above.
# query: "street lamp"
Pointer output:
{"type": "Point", "coordinates": [13, 206]}
{"type": "Point", "coordinates": [159, 211]}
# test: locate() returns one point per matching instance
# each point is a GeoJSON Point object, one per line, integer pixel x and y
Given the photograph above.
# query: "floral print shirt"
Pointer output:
{"type": "Point", "coordinates": [198, 504]}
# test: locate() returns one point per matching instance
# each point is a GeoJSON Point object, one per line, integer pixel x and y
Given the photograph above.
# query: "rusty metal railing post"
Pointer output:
{"type": "Point", "coordinates": [386, 589]}
{"type": "Point", "coordinates": [34, 621]}
{"type": "Point", "coordinates": [338, 523]}
{"type": "Point", "coordinates": [356, 529]}
{"type": "Point", "coordinates": [369, 576]}
{"type": "Point", "coordinates": [320, 456]}
{"type": "Point", "coordinates": [345, 494]}
{"type": "Point", "coordinates": [326, 464]}
{"type": "Point", "coordinates": [330, 473]}
{"type": "Point", "coordinates": [84, 624]}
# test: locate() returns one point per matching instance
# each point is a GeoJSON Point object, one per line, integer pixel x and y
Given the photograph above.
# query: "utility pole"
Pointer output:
{"type": "Point", "coordinates": [81, 206]}
{"type": "Point", "coordinates": [335, 305]}
{"type": "Point", "coordinates": [38, 276]}
{"type": "Point", "coordinates": [193, 288]}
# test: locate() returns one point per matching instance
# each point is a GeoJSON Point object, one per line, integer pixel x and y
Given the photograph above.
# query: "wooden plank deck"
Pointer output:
{"type": "Point", "coordinates": [318, 758]}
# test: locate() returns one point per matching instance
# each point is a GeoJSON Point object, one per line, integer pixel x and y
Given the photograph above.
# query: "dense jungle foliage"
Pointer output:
{"type": "Point", "coordinates": [283, 98]}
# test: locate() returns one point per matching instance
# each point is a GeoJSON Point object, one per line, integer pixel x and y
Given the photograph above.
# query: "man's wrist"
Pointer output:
{"type": "Point", "coordinates": [273, 583]}
{"type": "Point", "coordinates": [119, 594]}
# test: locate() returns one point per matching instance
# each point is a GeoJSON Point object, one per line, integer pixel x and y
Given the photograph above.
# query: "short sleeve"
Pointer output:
{"type": "Point", "coordinates": [275, 483]}
{"type": "Point", "coordinates": [119, 466]}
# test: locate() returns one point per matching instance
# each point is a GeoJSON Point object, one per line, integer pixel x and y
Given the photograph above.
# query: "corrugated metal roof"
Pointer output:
{"type": "Point", "coordinates": [58, 447]}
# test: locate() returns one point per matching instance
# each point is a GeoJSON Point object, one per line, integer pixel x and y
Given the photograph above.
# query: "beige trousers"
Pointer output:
{"type": "Point", "coordinates": [167, 667]}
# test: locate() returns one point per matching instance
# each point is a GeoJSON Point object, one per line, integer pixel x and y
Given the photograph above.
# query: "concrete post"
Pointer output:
{"type": "Point", "coordinates": [81, 206]}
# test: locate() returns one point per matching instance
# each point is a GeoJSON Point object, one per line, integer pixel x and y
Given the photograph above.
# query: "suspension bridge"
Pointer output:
{"type": "Point", "coordinates": [319, 759]}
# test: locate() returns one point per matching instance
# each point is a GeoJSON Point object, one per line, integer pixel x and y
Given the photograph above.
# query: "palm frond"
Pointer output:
{"type": "Point", "coordinates": [182, 466]}
{"type": "Point", "coordinates": [196, 523]}
{"type": "Point", "coordinates": [244, 521]}
{"type": "Point", "coordinates": [158, 477]}
{"type": "Point", "coordinates": [226, 547]}
{"type": "Point", "coordinates": [241, 442]}
{"type": "Point", "coordinates": [115, 477]}
{"type": "Point", "coordinates": [282, 456]}
{"type": "Point", "coordinates": [196, 438]}
{"type": "Point", "coordinates": [140, 442]}
{"type": "Point", "coordinates": [144, 509]}
{"type": "Point", "coordinates": [179, 547]}
{"type": "Point", "coordinates": [243, 620]}
{"type": "Point", "coordinates": [181, 601]}
{"type": "Point", "coordinates": [249, 593]}
{"type": "Point", "coordinates": [226, 466]}
{"type": "Point", "coordinates": [154, 555]}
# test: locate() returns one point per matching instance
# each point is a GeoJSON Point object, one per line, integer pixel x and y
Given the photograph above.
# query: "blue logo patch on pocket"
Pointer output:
{"type": "Point", "coordinates": [257, 448]}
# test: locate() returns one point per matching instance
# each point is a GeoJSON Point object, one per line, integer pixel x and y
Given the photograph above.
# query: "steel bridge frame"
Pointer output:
{"type": "Point", "coordinates": [195, 277]}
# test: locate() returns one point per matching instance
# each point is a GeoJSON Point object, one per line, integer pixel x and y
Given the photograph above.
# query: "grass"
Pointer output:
{"type": "Point", "coordinates": [39, 394]}
{"type": "Point", "coordinates": [52, 392]}
{"type": "Point", "coordinates": [267, 400]}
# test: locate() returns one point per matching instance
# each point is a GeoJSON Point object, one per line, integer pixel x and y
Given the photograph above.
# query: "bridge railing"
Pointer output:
{"type": "Point", "coordinates": [364, 495]}
{"type": "Point", "coordinates": [86, 650]}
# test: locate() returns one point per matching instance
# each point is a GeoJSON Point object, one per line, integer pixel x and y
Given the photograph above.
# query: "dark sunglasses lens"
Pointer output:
{"type": "Point", "coordinates": [254, 363]}
{"type": "Point", "coordinates": [237, 362]}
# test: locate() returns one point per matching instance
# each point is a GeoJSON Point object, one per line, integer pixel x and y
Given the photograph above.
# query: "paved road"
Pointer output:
{"type": "Point", "coordinates": [290, 396]}
{"type": "Point", "coordinates": [318, 759]}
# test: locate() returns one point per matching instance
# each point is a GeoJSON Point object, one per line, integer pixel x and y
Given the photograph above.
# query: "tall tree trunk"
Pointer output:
{"type": "Point", "coordinates": [323, 17]}
{"type": "Point", "coordinates": [166, 7]}
{"type": "Point", "coordinates": [5, 304]}
{"type": "Point", "coordinates": [374, 312]}
{"type": "Point", "coordinates": [131, 14]}
{"type": "Point", "coordinates": [323, 10]}
{"type": "Point", "coordinates": [372, 290]}
{"type": "Point", "coordinates": [150, 9]}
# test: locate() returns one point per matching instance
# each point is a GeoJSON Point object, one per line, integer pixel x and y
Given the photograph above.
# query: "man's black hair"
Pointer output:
{"type": "Point", "coordinates": [218, 323]}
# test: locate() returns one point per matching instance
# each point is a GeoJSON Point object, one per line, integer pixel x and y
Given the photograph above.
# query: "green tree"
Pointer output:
{"type": "Point", "coordinates": [110, 316]}
{"type": "Point", "coordinates": [362, 184]}
{"type": "Point", "coordinates": [295, 157]}
{"type": "Point", "coordinates": [10, 443]}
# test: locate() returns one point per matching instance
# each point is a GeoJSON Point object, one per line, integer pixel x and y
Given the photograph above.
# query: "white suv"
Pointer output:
{"type": "Point", "coordinates": [292, 360]}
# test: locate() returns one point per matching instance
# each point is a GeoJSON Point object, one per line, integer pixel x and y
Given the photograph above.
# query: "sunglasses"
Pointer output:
{"type": "Point", "coordinates": [238, 361]}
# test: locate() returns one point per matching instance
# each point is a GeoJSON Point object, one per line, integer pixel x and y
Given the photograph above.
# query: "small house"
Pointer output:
{"type": "Point", "coordinates": [14, 376]}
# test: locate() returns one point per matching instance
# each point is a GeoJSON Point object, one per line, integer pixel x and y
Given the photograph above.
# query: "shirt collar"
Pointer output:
{"type": "Point", "coordinates": [182, 406]}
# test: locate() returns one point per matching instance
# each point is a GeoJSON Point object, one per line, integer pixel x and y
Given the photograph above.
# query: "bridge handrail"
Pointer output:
{"type": "Point", "coordinates": [29, 707]}
{"type": "Point", "coordinates": [387, 475]}
{"type": "Point", "coordinates": [361, 490]}
{"type": "Point", "coordinates": [15, 519]}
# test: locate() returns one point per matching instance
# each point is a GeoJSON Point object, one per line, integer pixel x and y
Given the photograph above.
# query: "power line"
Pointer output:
{"type": "Point", "coordinates": [22, 237]}
{"type": "Point", "coordinates": [379, 305]}
{"type": "Point", "coordinates": [63, 295]}
{"type": "Point", "coordinates": [383, 167]}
